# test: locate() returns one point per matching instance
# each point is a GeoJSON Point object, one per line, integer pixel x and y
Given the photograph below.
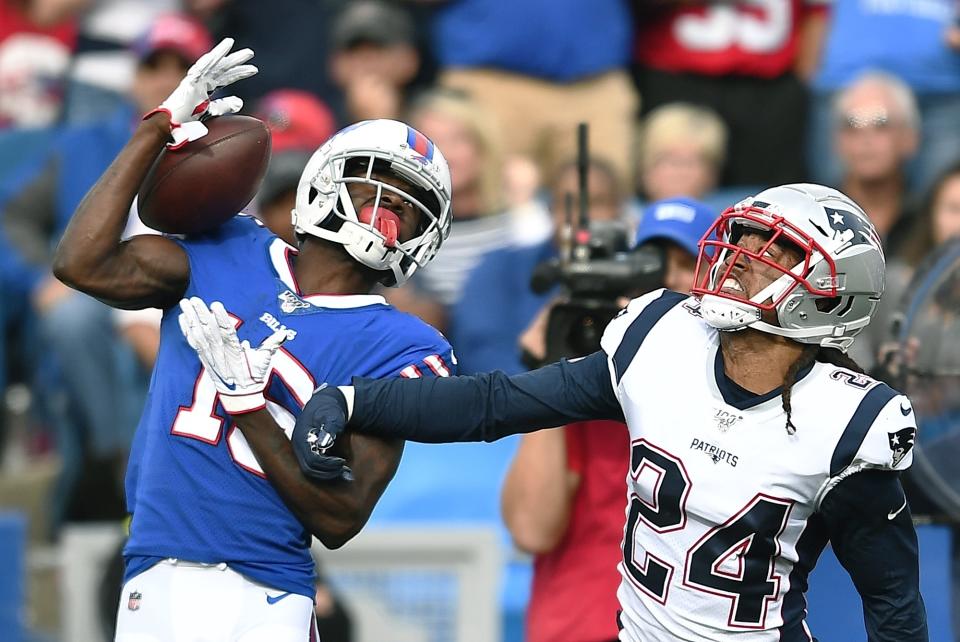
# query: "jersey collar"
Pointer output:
{"type": "Point", "coordinates": [739, 397]}
{"type": "Point", "coordinates": [280, 258]}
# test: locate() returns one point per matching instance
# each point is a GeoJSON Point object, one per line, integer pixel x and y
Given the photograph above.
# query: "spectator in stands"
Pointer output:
{"type": "Point", "coordinates": [99, 372]}
{"type": "Point", "coordinates": [471, 144]}
{"type": "Point", "coordinates": [498, 303]}
{"type": "Point", "coordinates": [914, 41]}
{"type": "Point", "coordinates": [938, 223]}
{"type": "Point", "coordinates": [676, 226]}
{"type": "Point", "coordinates": [747, 61]}
{"type": "Point", "coordinates": [105, 62]}
{"type": "Point", "coordinates": [682, 150]}
{"type": "Point", "coordinates": [299, 123]}
{"type": "Point", "coordinates": [294, 41]}
{"type": "Point", "coordinates": [565, 493]}
{"type": "Point", "coordinates": [374, 58]}
{"type": "Point", "coordinates": [35, 49]}
{"type": "Point", "coordinates": [876, 132]}
{"type": "Point", "coordinates": [540, 67]}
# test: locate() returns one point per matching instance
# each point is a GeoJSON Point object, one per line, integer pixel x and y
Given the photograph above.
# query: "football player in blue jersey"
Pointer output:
{"type": "Point", "coordinates": [222, 517]}
{"type": "Point", "coordinates": [755, 440]}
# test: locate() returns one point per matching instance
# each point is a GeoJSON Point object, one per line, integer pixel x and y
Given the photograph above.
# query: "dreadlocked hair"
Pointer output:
{"type": "Point", "coordinates": [810, 354]}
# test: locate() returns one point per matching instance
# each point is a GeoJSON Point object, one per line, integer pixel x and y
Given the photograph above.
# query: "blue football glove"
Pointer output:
{"type": "Point", "coordinates": [318, 426]}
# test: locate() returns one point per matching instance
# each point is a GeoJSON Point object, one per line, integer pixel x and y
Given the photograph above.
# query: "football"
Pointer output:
{"type": "Point", "coordinates": [197, 187]}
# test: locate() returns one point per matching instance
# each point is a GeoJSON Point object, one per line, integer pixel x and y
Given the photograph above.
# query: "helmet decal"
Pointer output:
{"type": "Point", "coordinates": [851, 228]}
{"type": "Point", "coordinates": [420, 143]}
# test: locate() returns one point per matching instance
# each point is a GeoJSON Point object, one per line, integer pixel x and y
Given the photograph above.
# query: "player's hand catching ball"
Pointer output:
{"type": "Point", "coordinates": [238, 370]}
{"type": "Point", "coordinates": [190, 101]}
{"type": "Point", "coordinates": [318, 426]}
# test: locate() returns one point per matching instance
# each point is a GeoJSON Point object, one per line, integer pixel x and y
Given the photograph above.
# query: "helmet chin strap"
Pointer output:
{"type": "Point", "coordinates": [817, 331]}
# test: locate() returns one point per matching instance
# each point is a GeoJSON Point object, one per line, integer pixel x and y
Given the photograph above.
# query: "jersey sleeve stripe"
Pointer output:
{"type": "Point", "coordinates": [858, 426]}
{"type": "Point", "coordinates": [411, 372]}
{"type": "Point", "coordinates": [435, 363]}
{"type": "Point", "coordinates": [640, 328]}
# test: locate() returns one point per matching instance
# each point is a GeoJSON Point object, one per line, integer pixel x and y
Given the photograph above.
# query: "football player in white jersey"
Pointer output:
{"type": "Point", "coordinates": [755, 440]}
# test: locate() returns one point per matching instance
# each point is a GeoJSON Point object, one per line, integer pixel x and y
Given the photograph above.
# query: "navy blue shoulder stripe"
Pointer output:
{"type": "Point", "coordinates": [858, 426]}
{"type": "Point", "coordinates": [641, 327]}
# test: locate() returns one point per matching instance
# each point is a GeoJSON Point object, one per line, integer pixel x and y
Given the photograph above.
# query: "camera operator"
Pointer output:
{"type": "Point", "coordinates": [664, 255]}
{"type": "Point", "coordinates": [498, 303]}
{"type": "Point", "coordinates": [564, 495]}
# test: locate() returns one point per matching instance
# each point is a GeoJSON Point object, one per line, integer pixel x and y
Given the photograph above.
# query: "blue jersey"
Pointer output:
{"type": "Point", "coordinates": [193, 485]}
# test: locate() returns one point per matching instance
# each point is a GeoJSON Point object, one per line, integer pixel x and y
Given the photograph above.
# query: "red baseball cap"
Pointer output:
{"type": "Point", "coordinates": [297, 119]}
{"type": "Point", "coordinates": [174, 32]}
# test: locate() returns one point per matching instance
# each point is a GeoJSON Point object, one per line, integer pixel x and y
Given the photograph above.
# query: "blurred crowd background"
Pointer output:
{"type": "Point", "coordinates": [709, 101]}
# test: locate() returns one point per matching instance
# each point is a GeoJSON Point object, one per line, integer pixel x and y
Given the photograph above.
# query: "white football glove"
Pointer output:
{"type": "Point", "coordinates": [239, 371]}
{"type": "Point", "coordinates": [190, 101]}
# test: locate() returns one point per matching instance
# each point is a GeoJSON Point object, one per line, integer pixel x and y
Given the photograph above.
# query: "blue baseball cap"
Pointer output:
{"type": "Point", "coordinates": [681, 220]}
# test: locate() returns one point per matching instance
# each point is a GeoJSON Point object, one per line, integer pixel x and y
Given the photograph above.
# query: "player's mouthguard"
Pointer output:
{"type": "Point", "coordinates": [382, 220]}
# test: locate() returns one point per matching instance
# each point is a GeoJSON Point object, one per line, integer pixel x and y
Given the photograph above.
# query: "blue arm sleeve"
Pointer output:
{"type": "Point", "coordinates": [879, 553]}
{"type": "Point", "coordinates": [488, 406]}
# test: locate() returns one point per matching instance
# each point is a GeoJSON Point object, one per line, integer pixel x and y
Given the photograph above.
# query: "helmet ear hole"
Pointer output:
{"type": "Point", "coordinates": [834, 305]}
{"type": "Point", "coordinates": [828, 304]}
{"type": "Point", "coordinates": [312, 194]}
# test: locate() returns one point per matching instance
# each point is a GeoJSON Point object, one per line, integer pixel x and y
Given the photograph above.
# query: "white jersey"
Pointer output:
{"type": "Point", "coordinates": [721, 527]}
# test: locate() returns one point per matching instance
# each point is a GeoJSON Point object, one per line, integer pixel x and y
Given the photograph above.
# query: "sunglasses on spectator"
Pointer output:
{"type": "Point", "coordinates": [875, 120]}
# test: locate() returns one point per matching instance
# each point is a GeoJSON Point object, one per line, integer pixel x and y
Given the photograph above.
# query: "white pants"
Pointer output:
{"type": "Point", "coordinates": [177, 601]}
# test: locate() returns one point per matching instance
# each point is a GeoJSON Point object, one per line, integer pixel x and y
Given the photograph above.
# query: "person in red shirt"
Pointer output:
{"type": "Point", "coordinates": [563, 501]}
{"type": "Point", "coordinates": [749, 61]}
{"type": "Point", "coordinates": [564, 497]}
{"type": "Point", "coordinates": [35, 49]}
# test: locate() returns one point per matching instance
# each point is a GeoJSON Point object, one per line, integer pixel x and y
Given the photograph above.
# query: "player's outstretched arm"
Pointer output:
{"type": "Point", "coordinates": [482, 407]}
{"type": "Point", "coordinates": [872, 535]}
{"type": "Point", "coordinates": [145, 271]}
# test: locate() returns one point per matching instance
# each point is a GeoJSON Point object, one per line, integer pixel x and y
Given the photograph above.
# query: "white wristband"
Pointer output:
{"type": "Point", "coordinates": [348, 394]}
{"type": "Point", "coordinates": [242, 404]}
{"type": "Point", "coordinates": [186, 133]}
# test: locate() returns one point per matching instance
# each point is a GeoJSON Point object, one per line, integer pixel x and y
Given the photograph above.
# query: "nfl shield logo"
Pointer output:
{"type": "Point", "coordinates": [290, 302]}
{"type": "Point", "coordinates": [133, 602]}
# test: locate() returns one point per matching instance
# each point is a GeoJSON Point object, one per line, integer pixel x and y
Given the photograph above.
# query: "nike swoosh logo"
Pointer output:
{"type": "Point", "coordinates": [905, 409]}
{"type": "Point", "coordinates": [893, 514]}
{"type": "Point", "coordinates": [274, 600]}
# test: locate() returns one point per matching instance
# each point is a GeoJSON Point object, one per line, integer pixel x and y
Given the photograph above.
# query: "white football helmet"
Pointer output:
{"type": "Point", "coordinates": [827, 298]}
{"type": "Point", "coordinates": [324, 208]}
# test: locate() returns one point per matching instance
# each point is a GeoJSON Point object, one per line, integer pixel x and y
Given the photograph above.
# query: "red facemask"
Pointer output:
{"type": "Point", "coordinates": [719, 253]}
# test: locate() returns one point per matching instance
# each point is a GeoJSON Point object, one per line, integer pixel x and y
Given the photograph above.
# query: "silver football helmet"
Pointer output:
{"type": "Point", "coordinates": [324, 207]}
{"type": "Point", "coordinates": [827, 298]}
